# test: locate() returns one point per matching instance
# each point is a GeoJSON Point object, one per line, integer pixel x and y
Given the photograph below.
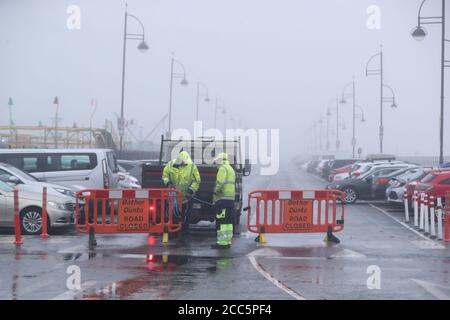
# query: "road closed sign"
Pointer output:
{"type": "Point", "coordinates": [133, 215]}
{"type": "Point", "coordinates": [298, 215]}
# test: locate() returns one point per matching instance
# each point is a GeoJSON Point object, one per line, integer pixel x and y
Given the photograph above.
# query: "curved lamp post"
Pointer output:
{"type": "Point", "coordinates": [383, 99]}
{"type": "Point", "coordinates": [183, 82]}
{"type": "Point", "coordinates": [419, 33]}
{"type": "Point", "coordinates": [199, 94]}
{"type": "Point", "coordinates": [343, 101]}
{"type": "Point", "coordinates": [142, 46]}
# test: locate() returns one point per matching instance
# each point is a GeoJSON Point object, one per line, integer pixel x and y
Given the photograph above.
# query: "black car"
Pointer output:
{"type": "Point", "coordinates": [361, 188]}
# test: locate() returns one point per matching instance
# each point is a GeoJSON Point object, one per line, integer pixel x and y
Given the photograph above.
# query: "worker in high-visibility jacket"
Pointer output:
{"type": "Point", "coordinates": [224, 200]}
{"type": "Point", "coordinates": [182, 174]}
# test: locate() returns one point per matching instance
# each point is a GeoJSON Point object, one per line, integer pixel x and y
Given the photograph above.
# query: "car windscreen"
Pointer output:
{"type": "Point", "coordinates": [22, 175]}
{"type": "Point", "coordinates": [429, 177]}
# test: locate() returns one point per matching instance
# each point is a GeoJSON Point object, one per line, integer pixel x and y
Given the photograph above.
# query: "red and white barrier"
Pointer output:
{"type": "Point", "coordinates": [439, 211]}
{"type": "Point", "coordinates": [17, 230]}
{"type": "Point", "coordinates": [426, 218]}
{"type": "Point", "coordinates": [405, 200]}
{"type": "Point", "coordinates": [431, 205]}
{"type": "Point", "coordinates": [416, 209]}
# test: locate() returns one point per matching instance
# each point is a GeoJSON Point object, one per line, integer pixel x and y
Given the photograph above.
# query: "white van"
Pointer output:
{"type": "Point", "coordinates": [87, 168]}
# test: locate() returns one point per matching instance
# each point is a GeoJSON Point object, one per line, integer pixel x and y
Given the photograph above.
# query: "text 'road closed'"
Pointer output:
{"type": "Point", "coordinates": [298, 215]}
{"type": "Point", "coordinates": [133, 214]}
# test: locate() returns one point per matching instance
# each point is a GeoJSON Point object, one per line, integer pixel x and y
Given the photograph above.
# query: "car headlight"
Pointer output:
{"type": "Point", "coordinates": [66, 192]}
{"type": "Point", "coordinates": [57, 205]}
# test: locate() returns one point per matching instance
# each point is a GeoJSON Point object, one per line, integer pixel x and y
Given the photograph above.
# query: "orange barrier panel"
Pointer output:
{"type": "Point", "coordinates": [295, 211]}
{"type": "Point", "coordinates": [128, 211]}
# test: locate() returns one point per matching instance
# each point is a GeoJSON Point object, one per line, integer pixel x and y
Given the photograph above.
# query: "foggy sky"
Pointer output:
{"type": "Point", "coordinates": [275, 64]}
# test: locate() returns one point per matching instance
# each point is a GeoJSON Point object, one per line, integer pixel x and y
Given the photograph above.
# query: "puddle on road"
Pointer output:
{"type": "Point", "coordinates": [161, 277]}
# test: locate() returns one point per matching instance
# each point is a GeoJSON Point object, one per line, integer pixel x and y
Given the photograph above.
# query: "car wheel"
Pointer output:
{"type": "Point", "coordinates": [31, 221]}
{"type": "Point", "coordinates": [350, 195]}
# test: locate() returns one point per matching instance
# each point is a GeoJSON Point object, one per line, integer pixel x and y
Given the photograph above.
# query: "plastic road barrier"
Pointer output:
{"type": "Point", "coordinates": [296, 211]}
{"type": "Point", "coordinates": [113, 211]}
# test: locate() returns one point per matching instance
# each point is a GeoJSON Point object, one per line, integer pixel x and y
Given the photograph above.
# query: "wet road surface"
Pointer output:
{"type": "Point", "coordinates": [295, 266]}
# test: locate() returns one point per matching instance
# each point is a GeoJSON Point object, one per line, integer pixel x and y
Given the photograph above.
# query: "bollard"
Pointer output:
{"type": "Point", "coordinates": [416, 209]}
{"type": "Point", "coordinates": [432, 217]}
{"type": "Point", "coordinates": [439, 218]}
{"type": "Point", "coordinates": [17, 230]}
{"type": "Point", "coordinates": [406, 207]}
{"type": "Point", "coordinates": [421, 220]}
{"type": "Point", "coordinates": [44, 233]}
{"type": "Point", "coordinates": [425, 214]}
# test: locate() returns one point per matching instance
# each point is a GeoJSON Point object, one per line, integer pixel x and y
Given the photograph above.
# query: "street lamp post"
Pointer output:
{"type": "Point", "coordinates": [328, 129]}
{"type": "Point", "coordinates": [382, 86]}
{"type": "Point", "coordinates": [419, 33]}
{"type": "Point", "coordinates": [142, 47]}
{"type": "Point", "coordinates": [56, 103]}
{"type": "Point", "coordinates": [353, 97]}
{"type": "Point", "coordinates": [184, 82]}
{"type": "Point", "coordinates": [320, 132]}
{"type": "Point", "coordinates": [217, 107]}
{"type": "Point", "coordinates": [199, 94]}
{"type": "Point", "coordinates": [94, 105]}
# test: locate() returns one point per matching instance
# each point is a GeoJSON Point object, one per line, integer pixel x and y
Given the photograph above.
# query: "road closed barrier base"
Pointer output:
{"type": "Point", "coordinates": [108, 211]}
{"type": "Point", "coordinates": [296, 211]}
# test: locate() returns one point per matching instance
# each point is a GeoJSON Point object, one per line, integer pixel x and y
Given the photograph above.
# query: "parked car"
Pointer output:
{"type": "Point", "coordinates": [320, 166]}
{"type": "Point", "coordinates": [23, 181]}
{"type": "Point", "coordinates": [338, 166]}
{"type": "Point", "coordinates": [312, 166]}
{"type": "Point", "coordinates": [381, 183]}
{"type": "Point", "coordinates": [126, 181]}
{"type": "Point", "coordinates": [60, 210]}
{"type": "Point", "coordinates": [361, 188]}
{"type": "Point", "coordinates": [88, 168]}
{"type": "Point", "coordinates": [134, 168]}
{"type": "Point", "coordinates": [435, 183]}
{"type": "Point", "coordinates": [399, 185]}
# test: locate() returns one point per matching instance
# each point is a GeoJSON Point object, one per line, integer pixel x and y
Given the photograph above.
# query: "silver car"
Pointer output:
{"type": "Point", "coordinates": [60, 209]}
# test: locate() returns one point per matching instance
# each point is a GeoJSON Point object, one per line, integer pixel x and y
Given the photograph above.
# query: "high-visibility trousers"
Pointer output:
{"type": "Point", "coordinates": [224, 221]}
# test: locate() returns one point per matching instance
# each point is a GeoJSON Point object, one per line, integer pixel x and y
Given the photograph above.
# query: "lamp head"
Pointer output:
{"type": "Point", "coordinates": [419, 33]}
{"type": "Point", "coordinates": [142, 46]}
{"type": "Point", "coordinates": [393, 105]}
{"type": "Point", "coordinates": [343, 101]}
{"type": "Point", "coordinates": [207, 99]}
{"type": "Point", "coordinates": [184, 82]}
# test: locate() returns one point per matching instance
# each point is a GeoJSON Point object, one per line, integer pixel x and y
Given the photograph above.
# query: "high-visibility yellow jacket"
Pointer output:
{"type": "Point", "coordinates": [225, 182]}
{"type": "Point", "coordinates": [184, 177]}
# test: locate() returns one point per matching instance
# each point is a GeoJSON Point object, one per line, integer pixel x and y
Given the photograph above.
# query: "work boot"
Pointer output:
{"type": "Point", "coordinates": [220, 247]}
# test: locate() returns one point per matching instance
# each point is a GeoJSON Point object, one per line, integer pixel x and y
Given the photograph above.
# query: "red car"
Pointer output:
{"type": "Point", "coordinates": [345, 169]}
{"type": "Point", "coordinates": [435, 183]}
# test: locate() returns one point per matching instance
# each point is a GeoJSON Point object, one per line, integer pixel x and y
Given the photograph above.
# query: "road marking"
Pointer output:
{"type": "Point", "coordinates": [347, 253]}
{"type": "Point", "coordinates": [433, 289]}
{"type": "Point", "coordinates": [74, 249]}
{"type": "Point", "coordinates": [252, 257]}
{"type": "Point", "coordinates": [71, 294]}
{"type": "Point", "coordinates": [431, 243]}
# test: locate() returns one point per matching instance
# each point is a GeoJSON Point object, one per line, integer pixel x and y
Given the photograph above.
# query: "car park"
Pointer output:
{"type": "Point", "coordinates": [361, 188]}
